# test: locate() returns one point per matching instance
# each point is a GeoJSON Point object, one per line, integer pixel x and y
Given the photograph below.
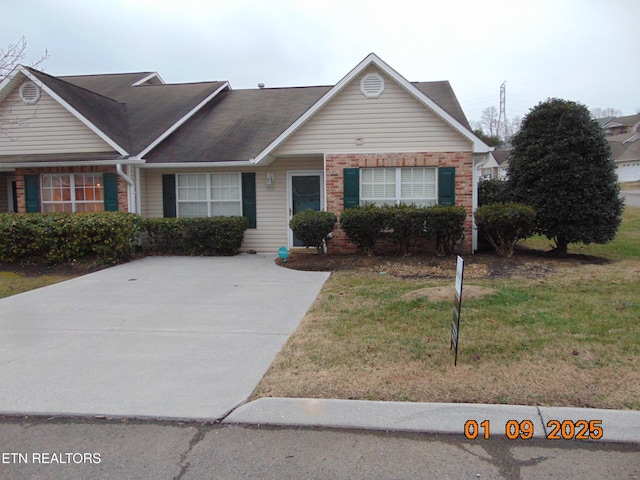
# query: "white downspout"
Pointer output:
{"type": "Point", "coordinates": [477, 170]}
{"type": "Point", "coordinates": [138, 191]}
{"type": "Point", "coordinates": [130, 186]}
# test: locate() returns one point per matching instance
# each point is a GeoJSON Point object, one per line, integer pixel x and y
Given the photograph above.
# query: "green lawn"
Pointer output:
{"type": "Point", "coordinates": [12, 283]}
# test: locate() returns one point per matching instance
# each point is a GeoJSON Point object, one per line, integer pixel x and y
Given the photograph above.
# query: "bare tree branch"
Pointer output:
{"type": "Point", "coordinates": [10, 58]}
{"type": "Point", "coordinates": [13, 56]}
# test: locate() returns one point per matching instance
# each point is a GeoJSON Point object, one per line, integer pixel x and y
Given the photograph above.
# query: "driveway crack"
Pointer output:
{"type": "Point", "coordinates": [195, 440]}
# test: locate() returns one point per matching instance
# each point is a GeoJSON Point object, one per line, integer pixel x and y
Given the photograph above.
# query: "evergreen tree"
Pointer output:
{"type": "Point", "coordinates": [561, 166]}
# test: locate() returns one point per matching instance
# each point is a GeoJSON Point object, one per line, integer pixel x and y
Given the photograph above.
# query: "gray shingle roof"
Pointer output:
{"type": "Point", "coordinates": [442, 94]}
{"type": "Point", "coordinates": [236, 126]}
{"type": "Point", "coordinates": [151, 109]}
{"type": "Point", "coordinates": [242, 123]}
{"type": "Point", "coordinates": [107, 114]}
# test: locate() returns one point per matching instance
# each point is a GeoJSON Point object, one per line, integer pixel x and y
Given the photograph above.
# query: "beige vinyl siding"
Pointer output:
{"type": "Point", "coordinates": [45, 127]}
{"type": "Point", "coordinates": [394, 122]}
{"type": "Point", "coordinates": [272, 214]}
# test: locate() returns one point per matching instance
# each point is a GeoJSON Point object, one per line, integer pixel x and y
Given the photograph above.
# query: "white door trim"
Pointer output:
{"type": "Point", "coordinates": [301, 173]}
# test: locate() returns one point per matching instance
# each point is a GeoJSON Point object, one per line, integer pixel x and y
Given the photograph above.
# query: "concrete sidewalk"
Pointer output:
{"type": "Point", "coordinates": [616, 425]}
{"type": "Point", "coordinates": [162, 337]}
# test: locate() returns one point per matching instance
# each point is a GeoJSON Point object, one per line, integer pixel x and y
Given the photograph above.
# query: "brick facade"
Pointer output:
{"type": "Point", "coordinates": [123, 203]}
{"type": "Point", "coordinates": [462, 161]}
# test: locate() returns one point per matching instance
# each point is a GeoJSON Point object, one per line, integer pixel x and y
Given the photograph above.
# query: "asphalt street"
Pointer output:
{"type": "Point", "coordinates": [65, 448]}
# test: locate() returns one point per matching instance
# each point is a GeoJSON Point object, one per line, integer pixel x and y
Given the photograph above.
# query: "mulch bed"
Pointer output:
{"type": "Point", "coordinates": [484, 265]}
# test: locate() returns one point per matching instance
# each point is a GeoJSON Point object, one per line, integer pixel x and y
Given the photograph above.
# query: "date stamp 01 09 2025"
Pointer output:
{"type": "Point", "coordinates": [567, 429]}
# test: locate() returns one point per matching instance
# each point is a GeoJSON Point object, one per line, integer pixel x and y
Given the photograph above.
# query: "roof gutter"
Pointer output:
{"type": "Point", "coordinates": [72, 163]}
{"type": "Point", "coordinates": [236, 163]}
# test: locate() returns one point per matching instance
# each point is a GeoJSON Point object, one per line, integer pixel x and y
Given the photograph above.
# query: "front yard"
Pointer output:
{"type": "Point", "coordinates": [541, 331]}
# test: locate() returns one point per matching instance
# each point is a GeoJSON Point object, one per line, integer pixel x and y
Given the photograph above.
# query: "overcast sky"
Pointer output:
{"type": "Point", "coordinates": [582, 50]}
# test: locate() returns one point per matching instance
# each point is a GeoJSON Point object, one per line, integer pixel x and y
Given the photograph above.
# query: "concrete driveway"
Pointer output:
{"type": "Point", "coordinates": [164, 337]}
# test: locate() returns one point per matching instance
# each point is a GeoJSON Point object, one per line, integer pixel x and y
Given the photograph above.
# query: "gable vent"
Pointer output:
{"type": "Point", "coordinates": [372, 85]}
{"type": "Point", "coordinates": [29, 93]}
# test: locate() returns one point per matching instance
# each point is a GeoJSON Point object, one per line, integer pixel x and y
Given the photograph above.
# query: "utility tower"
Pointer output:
{"type": "Point", "coordinates": [503, 127]}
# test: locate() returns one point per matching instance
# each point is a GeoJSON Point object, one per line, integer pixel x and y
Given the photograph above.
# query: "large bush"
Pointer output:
{"type": "Point", "coordinates": [561, 166]}
{"type": "Point", "coordinates": [108, 237]}
{"type": "Point", "coordinates": [445, 225]}
{"type": "Point", "coordinates": [312, 227]}
{"type": "Point", "coordinates": [505, 224]}
{"type": "Point", "coordinates": [363, 226]}
{"type": "Point", "coordinates": [195, 236]}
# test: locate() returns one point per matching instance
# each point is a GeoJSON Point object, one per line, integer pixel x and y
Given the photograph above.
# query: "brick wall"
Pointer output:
{"type": "Point", "coordinates": [123, 203]}
{"type": "Point", "coordinates": [462, 161]}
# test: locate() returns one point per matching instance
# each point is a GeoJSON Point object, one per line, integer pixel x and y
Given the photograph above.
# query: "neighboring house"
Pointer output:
{"type": "Point", "coordinates": [130, 142]}
{"type": "Point", "coordinates": [623, 134]}
{"type": "Point", "coordinates": [497, 166]}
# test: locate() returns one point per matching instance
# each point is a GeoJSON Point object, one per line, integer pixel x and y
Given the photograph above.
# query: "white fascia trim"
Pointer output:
{"type": "Point", "coordinates": [149, 77]}
{"type": "Point", "coordinates": [372, 59]}
{"type": "Point", "coordinates": [239, 163]}
{"type": "Point", "coordinates": [9, 77]}
{"type": "Point", "coordinates": [76, 114]}
{"type": "Point", "coordinates": [176, 125]}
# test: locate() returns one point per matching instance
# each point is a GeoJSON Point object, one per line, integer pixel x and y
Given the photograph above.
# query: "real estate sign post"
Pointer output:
{"type": "Point", "coordinates": [457, 304]}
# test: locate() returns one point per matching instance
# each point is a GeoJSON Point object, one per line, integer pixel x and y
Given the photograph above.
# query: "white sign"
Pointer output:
{"type": "Point", "coordinates": [459, 275]}
{"type": "Point", "coordinates": [457, 305]}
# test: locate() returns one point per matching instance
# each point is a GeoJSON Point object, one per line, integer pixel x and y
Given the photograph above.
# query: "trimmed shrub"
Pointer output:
{"type": "Point", "coordinates": [108, 237]}
{"type": "Point", "coordinates": [445, 225]}
{"type": "Point", "coordinates": [363, 226]}
{"type": "Point", "coordinates": [164, 235]}
{"type": "Point", "coordinates": [505, 224]}
{"type": "Point", "coordinates": [312, 227]}
{"type": "Point", "coordinates": [195, 236]}
{"type": "Point", "coordinates": [404, 225]}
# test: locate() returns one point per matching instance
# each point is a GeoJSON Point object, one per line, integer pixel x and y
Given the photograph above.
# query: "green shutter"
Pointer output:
{"type": "Point", "coordinates": [446, 186]}
{"type": "Point", "coordinates": [32, 193]}
{"type": "Point", "coordinates": [351, 187]}
{"type": "Point", "coordinates": [249, 198]}
{"type": "Point", "coordinates": [110, 181]}
{"type": "Point", "coordinates": [168, 196]}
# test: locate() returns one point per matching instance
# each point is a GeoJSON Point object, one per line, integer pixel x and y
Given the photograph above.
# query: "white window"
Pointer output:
{"type": "Point", "coordinates": [378, 186]}
{"type": "Point", "coordinates": [67, 192]}
{"type": "Point", "coordinates": [208, 195]}
{"type": "Point", "coordinates": [393, 186]}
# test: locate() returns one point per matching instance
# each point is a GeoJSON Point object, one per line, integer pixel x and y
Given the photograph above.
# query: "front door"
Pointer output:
{"type": "Point", "coordinates": [305, 193]}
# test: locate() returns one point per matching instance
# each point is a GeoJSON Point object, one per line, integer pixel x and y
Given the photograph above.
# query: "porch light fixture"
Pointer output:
{"type": "Point", "coordinates": [270, 179]}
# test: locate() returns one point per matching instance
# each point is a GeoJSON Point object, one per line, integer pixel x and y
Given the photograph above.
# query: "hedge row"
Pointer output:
{"type": "Point", "coordinates": [404, 225]}
{"type": "Point", "coordinates": [194, 236]}
{"type": "Point", "coordinates": [107, 237]}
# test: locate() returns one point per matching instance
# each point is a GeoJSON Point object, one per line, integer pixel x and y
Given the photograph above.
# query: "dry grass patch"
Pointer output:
{"type": "Point", "coordinates": [540, 331]}
{"type": "Point", "coordinates": [442, 294]}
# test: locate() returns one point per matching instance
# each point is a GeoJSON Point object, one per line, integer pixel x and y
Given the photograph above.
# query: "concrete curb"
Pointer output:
{"type": "Point", "coordinates": [617, 426]}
